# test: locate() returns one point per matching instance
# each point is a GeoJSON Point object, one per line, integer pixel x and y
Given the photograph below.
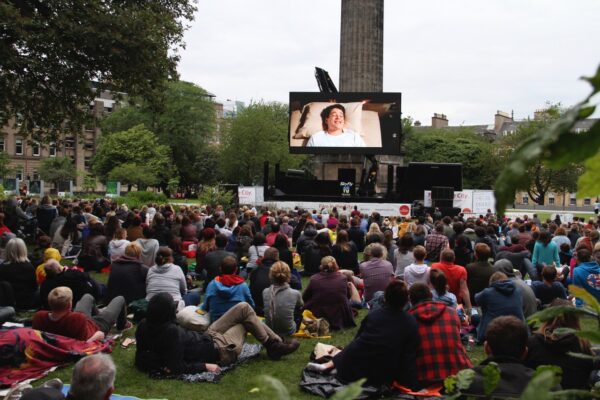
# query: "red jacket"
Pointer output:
{"type": "Point", "coordinates": [441, 352]}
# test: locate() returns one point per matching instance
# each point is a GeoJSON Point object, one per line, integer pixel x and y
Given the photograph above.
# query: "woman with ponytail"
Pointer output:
{"type": "Point", "coordinates": [168, 277]}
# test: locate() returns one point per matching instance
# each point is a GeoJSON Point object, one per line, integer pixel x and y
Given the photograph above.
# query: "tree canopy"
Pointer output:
{"type": "Point", "coordinates": [124, 152]}
{"type": "Point", "coordinates": [540, 179]}
{"type": "Point", "coordinates": [57, 169]}
{"type": "Point", "coordinates": [257, 134]}
{"type": "Point", "coordinates": [184, 121]}
{"type": "Point", "coordinates": [464, 146]}
{"type": "Point", "coordinates": [56, 54]}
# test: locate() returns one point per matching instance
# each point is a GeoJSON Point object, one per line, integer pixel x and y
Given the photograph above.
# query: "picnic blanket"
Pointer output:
{"type": "Point", "coordinates": [249, 351]}
{"type": "Point", "coordinates": [113, 396]}
{"type": "Point", "coordinates": [27, 354]}
{"type": "Point", "coordinates": [326, 385]}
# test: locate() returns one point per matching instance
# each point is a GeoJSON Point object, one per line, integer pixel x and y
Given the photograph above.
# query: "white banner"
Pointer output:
{"type": "Point", "coordinates": [483, 200]}
{"type": "Point", "coordinates": [247, 194]}
{"type": "Point", "coordinates": [385, 209]}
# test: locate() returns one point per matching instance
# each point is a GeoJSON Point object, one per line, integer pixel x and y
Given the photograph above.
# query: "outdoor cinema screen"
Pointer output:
{"type": "Point", "coordinates": [345, 123]}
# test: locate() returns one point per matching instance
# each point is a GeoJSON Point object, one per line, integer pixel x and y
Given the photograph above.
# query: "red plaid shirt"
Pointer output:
{"type": "Point", "coordinates": [434, 244]}
{"type": "Point", "coordinates": [441, 352]}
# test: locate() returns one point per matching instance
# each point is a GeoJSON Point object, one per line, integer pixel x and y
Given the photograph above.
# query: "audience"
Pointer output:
{"type": "Point", "coordinates": [282, 304]}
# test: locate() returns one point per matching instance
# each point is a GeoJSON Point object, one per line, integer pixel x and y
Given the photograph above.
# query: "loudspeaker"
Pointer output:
{"type": "Point", "coordinates": [442, 193]}
{"type": "Point", "coordinates": [390, 181]}
{"type": "Point", "coordinates": [347, 175]}
{"type": "Point", "coordinates": [442, 203]}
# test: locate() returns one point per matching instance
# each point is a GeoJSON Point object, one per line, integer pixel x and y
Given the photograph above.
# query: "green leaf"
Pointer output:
{"type": "Point", "coordinates": [573, 394]}
{"type": "Point", "coordinates": [573, 147]}
{"type": "Point", "coordinates": [550, 313]}
{"type": "Point", "coordinates": [588, 184]}
{"type": "Point", "coordinates": [539, 387]}
{"type": "Point", "coordinates": [554, 369]}
{"type": "Point", "coordinates": [491, 377]}
{"type": "Point", "coordinates": [281, 391]}
{"type": "Point", "coordinates": [564, 331]}
{"type": "Point", "coordinates": [581, 356]}
{"type": "Point", "coordinates": [594, 81]}
{"type": "Point", "coordinates": [592, 336]}
{"type": "Point", "coordinates": [350, 392]}
{"type": "Point", "coordinates": [465, 378]}
{"type": "Point", "coordinates": [586, 297]}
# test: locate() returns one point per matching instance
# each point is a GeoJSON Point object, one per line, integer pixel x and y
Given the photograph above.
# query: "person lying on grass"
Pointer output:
{"type": "Point", "coordinates": [163, 346]}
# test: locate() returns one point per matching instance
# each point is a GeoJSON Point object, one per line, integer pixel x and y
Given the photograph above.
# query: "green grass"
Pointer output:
{"type": "Point", "coordinates": [240, 383]}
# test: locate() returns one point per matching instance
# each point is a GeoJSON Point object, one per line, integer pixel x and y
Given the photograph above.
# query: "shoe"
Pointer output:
{"type": "Point", "coordinates": [275, 349]}
{"type": "Point", "coordinates": [320, 368]}
{"type": "Point", "coordinates": [128, 326]}
{"type": "Point", "coordinates": [54, 384]}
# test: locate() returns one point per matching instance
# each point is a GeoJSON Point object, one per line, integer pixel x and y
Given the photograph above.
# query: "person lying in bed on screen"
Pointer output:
{"type": "Point", "coordinates": [333, 133]}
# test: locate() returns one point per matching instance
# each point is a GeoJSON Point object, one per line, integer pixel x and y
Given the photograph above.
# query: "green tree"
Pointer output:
{"type": "Point", "coordinates": [463, 146]}
{"type": "Point", "coordinates": [540, 179]}
{"type": "Point", "coordinates": [136, 147]}
{"type": "Point", "coordinates": [184, 120]}
{"type": "Point", "coordinates": [89, 182]}
{"type": "Point", "coordinates": [5, 168]}
{"type": "Point", "coordinates": [133, 174]}
{"type": "Point", "coordinates": [256, 134]}
{"type": "Point", "coordinates": [52, 51]}
{"type": "Point", "coordinates": [57, 169]}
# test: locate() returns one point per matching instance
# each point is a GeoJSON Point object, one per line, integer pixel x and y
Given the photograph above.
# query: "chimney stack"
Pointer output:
{"type": "Point", "coordinates": [439, 121]}
{"type": "Point", "coordinates": [499, 119]}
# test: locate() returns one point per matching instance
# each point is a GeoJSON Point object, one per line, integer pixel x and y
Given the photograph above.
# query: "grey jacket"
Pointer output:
{"type": "Point", "coordinates": [281, 304]}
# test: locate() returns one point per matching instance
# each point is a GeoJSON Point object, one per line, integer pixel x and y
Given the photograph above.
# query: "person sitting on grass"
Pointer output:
{"type": "Point", "coordinates": [164, 346]}
{"type": "Point", "coordinates": [85, 323]}
{"type": "Point", "coordinates": [549, 346]}
{"type": "Point", "coordinates": [548, 289]}
{"type": "Point", "coordinates": [439, 288]}
{"type": "Point", "coordinates": [282, 304]}
{"type": "Point", "coordinates": [226, 290]}
{"type": "Point", "coordinates": [440, 352]}
{"type": "Point", "coordinates": [259, 279]}
{"type": "Point", "coordinates": [384, 349]}
{"type": "Point", "coordinates": [506, 345]}
{"type": "Point", "coordinates": [502, 298]}
{"type": "Point", "coordinates": [419, 270]}
{"type": "Point", "coordinates": [328, 295]}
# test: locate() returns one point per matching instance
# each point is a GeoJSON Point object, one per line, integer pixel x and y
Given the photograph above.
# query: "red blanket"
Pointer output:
{"type": "Point", "coordinates": [26, 353]}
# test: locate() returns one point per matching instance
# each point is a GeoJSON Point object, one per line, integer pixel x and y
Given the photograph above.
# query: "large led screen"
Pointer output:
{"type": "Point", "coordinates": [345, 123]}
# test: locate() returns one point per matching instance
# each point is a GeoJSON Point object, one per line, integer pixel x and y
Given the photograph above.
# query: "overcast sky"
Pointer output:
{"type": "Point", "coordinates": [465, 59]}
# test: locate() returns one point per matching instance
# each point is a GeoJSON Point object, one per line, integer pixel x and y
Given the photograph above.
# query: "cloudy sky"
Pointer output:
{"type": "Point", "coordinates": [464, 58]}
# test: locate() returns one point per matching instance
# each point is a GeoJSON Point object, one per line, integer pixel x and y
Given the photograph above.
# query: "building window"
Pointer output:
{"type": "Point", "coordinates": [551, 201]}
{"type": "Point", "coordinates": [52, 149]}
{"type": "Point", "coordinates": [70, 143]}
{"type": "Point", "coordinates": [19, 173]}
{"type": "Point", "coordinates": [87, 162]}
{"type": "Point", "coordinates": [525, 200]}
{"type": "Point", "coordinates": [2, 148]}
{"type": "Point", "coordinates": [19, 146]}
{"type": "Point", "coordinates": [35, 150]}
{"type": "Point", "coordinates": [573, 201]}
{"type": "Point", "coordinates": [89, 145]}
{"type": "Point", "coordinates": [587, 201]}
{"type": "Point", "coordinates": [36, 175]}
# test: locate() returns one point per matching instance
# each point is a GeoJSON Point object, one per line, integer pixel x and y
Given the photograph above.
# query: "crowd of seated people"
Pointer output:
{"type": "Point", "coordinates": [422, 287]}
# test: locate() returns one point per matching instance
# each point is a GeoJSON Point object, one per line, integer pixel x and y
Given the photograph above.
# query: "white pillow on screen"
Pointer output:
{"type": "Point", "coordinates": [313, 123]}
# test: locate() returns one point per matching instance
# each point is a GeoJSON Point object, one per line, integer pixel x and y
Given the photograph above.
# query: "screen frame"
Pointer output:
{"type": "Point", "coordinates": [390, 145]}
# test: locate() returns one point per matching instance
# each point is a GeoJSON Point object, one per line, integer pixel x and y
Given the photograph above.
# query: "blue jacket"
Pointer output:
{"type": "Point", "coordinates": [500, 299]}
{"type": "Point", "coordinates": [587, 276]}
{"type": "Point", "coordinates": [220, 298]}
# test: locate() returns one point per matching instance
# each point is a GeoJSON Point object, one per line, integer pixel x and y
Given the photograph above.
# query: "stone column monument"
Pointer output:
{"type": "Point", "coordinates": [361, 46]}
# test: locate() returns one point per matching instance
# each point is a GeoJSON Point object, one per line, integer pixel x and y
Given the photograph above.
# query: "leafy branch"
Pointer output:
{"type": "Point", "coordinates": [557, 146]}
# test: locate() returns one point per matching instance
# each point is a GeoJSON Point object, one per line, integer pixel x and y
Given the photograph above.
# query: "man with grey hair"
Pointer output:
{"type": "Point", "coordinates": [377, 272]}
{"type": "Point", "coordinates": [93, 378]}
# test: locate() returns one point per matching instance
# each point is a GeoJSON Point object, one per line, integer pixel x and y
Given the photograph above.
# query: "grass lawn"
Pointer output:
{"type": "Point", "coordinates": [237, 384]}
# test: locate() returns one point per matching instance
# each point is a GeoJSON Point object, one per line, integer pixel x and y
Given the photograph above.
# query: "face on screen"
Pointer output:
{"type": "Point", "coordinates": [335, 121]}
